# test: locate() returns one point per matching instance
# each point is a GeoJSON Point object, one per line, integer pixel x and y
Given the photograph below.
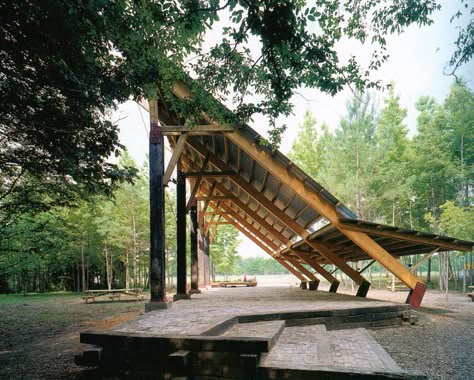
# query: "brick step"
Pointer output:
{"type": "Point", "coordinates": [310, 352]}
{"type": "Point", "coordinates": [356, 317]}
{"type": "Point", "coordinates": [351, 321]}
{"type": "Point", "coordinates": [265, 329]}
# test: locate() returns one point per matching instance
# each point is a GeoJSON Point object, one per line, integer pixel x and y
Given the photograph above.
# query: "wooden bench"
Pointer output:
{"type": "Point", "coordinates": [397, 286]}
{"type": "Point", "coordinates": [471, 295]}
{"type": "Point", "coordinates": [225, 284]}
{"type": "Point", "coordinates": [113, 294]}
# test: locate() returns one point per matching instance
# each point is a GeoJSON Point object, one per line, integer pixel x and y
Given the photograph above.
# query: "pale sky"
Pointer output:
{"type": "Point", "coordinates": [416, 63]}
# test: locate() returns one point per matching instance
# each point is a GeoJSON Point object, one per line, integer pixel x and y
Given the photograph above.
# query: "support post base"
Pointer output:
{"type": "Point", "coordinates": [363, 289]}
{"type": "Point", "coordinates": [181, 296]}
{"type": "Point", "coordinates": [151, 306]}
{"type": "Point", "coordinates": [416, 295]}
{"type": "Point", "coordinates": [304, 285]}
{"type": "Point", "coordinates": [313, 285]}
{"type": "Point", "coordinates": [194, 291]}
{"type": "Point", "coordinates": [334, 286]}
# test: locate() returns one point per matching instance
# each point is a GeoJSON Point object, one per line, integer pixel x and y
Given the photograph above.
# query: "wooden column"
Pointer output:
{"type": "Point", "coordinates": [201, 254]}
{"type": "Point", "coordinates": [194, 249]}
{"type": "Point", "coordinates": [157, 211]}
{"type": "Point", "coordinates": [180, 235]}
{"type": "Point", "coordinates": [207, 278]}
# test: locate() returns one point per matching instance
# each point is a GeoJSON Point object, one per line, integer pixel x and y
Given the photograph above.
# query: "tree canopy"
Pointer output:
{"type": "Point", "coordinates": [65, 64]}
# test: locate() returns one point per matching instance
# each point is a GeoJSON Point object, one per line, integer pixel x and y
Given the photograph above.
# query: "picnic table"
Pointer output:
{"type": "Point", "coordinates": [113, 294]}
{"type": "Point", "coordinates": [226, 284]}
{"type": "Point", "coordinates": [471, 295]}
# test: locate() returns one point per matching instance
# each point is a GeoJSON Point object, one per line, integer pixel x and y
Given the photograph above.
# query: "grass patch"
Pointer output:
{"type": "Point", "coordinates": [11, 299]}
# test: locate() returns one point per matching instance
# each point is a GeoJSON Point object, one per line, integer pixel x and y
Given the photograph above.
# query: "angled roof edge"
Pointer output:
{"type": "Point", "coordinates": [292, 167]}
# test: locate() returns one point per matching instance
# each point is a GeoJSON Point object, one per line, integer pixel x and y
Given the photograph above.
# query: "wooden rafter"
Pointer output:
{"type": "Point", "coordinates": [213, 197]}
{"type": "Point", "coordinates": [248, 226]}
{"type": "Point", "coordinates": [301, 268]}
{"type": "Point", "coordinates": [290, 268]}
{"type": "Point", "coordinates": [318, 268]}
{"type": "Point", "coordinates": [283, 217]}
{"type": "Point", "coordinates": [196, 184]}
{"type": "Point", "coordinates": [178, 149]}
{"type": "Point", "coordinates": [247, 210]}
{"type": "Point", "coordinates": [199, 130]}
{"type": "Point", "coordinates": [324, 208]}
{"type": "Point", "coordinates": [205, 174]}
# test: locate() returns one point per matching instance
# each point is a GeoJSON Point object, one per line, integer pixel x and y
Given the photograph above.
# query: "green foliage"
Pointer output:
{"type": "Point", "coordinates": [66, 64]}
{"type": "Point", "coordinates": [223, 249]}
{"type": "Point", "coordinates": [370, 164]}
{"type": "Point", "coordinates": [454, 221]}
{"type": "Point", "coordinates": [465, 40]}
{"type": "Point", "coordinates": [309, 144]}
{"type": "Point", "coordinates": [259, 266]}
{"type": "Point", "coordinates": [349, 159]}
{"type": "Point", "coordinates": [393, 178]}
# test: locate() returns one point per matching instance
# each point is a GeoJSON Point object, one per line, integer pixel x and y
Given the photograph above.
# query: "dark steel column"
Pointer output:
{"type": "Point", "coordinates": [194, 249]}
{"type": "Point", "coordinates": [157, 213]}
{"type": "Point", "coordinates": [181, 233]}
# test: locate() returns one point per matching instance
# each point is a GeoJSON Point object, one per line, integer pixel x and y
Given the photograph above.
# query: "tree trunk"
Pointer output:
{"type": "Point", "coordinates": [108, 266]}
{"type": "Point", "coordinates": [127, 273]}
{"type": "Point", "coordinates": [135, 248]}
{"type": "Point", "coordinates": [83, 266]}
{"type": "Point", "coordinates": [441, 276]}
{"type": "Point", "coordinates": [428, 271]}
{"type": "Point", "coordinates": [464, 274]}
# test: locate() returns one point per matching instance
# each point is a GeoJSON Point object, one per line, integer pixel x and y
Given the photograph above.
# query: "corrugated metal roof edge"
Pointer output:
{"type": "Point", "coordinates": [403, 231]}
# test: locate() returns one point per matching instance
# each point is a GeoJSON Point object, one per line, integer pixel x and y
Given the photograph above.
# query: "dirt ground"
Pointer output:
{"type": "Point", "coordinates": [39, 335]}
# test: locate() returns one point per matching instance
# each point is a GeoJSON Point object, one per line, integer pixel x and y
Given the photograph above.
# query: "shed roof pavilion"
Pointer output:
{"type": "Point", "coordinates": [270, 200]}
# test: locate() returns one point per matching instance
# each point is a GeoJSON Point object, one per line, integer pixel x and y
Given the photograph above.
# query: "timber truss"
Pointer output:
{"type": "Point", "coordinates": [238, 181]}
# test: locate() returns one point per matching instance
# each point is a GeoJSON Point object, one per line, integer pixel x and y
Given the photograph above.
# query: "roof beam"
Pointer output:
{"type": "Point", "coordinates": [201, 174]}
{"type": "Point", "coordinates": [400, 236]}
{"type": "Point", "coordinates": [318, 268]}
{"type": "Point", "coordinates": [247, 210]}
{"type": "Point", "coordinates": [301, 268]}
{"type": "Point", "coordinates": [285, 219]}
{"type": "Point", "coordinates": [178, 149]}
{"type": "Point", "coordinates": [193, 130]}
{"type": "Point", "coordinates": [197, 184]}
{"type": "Point", "coordinates": [282, 261]}
{"type": "Point", "coordinates": [250, 236]}
{"type": "Point", "coordinates": [213, 197]}
{"type": "Point", "coordinates": [248, 226]}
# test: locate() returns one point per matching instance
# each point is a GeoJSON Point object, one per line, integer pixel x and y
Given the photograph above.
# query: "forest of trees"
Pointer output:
{"type": "Point", "coordinates": [371, 163]}
{"type": "Point", "coordinates": [66, 65]}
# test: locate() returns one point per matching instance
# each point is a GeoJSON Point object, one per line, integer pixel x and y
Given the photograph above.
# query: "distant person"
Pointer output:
{"type": "Point", "coordinates": [245, 277]}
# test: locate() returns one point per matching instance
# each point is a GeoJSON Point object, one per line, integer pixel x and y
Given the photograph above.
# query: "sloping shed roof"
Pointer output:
{"type": "Point", "coordinates": [282, 209]}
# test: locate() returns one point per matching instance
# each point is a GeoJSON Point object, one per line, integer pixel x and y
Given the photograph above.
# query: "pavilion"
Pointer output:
{"type": "Point", "coordinates": [235, 179]}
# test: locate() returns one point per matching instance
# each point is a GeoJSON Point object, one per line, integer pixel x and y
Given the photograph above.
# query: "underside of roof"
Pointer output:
{"type": "Point", "coordinates": [283, 210]}
{"type": "Point", "coordinates": [252, 195]}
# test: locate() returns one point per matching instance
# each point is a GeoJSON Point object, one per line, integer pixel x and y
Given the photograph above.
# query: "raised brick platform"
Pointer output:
{"type": "Point", "coordinates": [253, 333]}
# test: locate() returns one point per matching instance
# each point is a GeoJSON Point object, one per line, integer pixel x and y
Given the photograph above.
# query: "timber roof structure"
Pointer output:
{"type": "Point", "coordinates": [279, 207]}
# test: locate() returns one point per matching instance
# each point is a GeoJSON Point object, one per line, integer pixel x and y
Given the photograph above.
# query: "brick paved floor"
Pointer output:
{"type": "Point", "coordinates": [308, 347]}
{"type": "Point", "coordinates": [203, 311]}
